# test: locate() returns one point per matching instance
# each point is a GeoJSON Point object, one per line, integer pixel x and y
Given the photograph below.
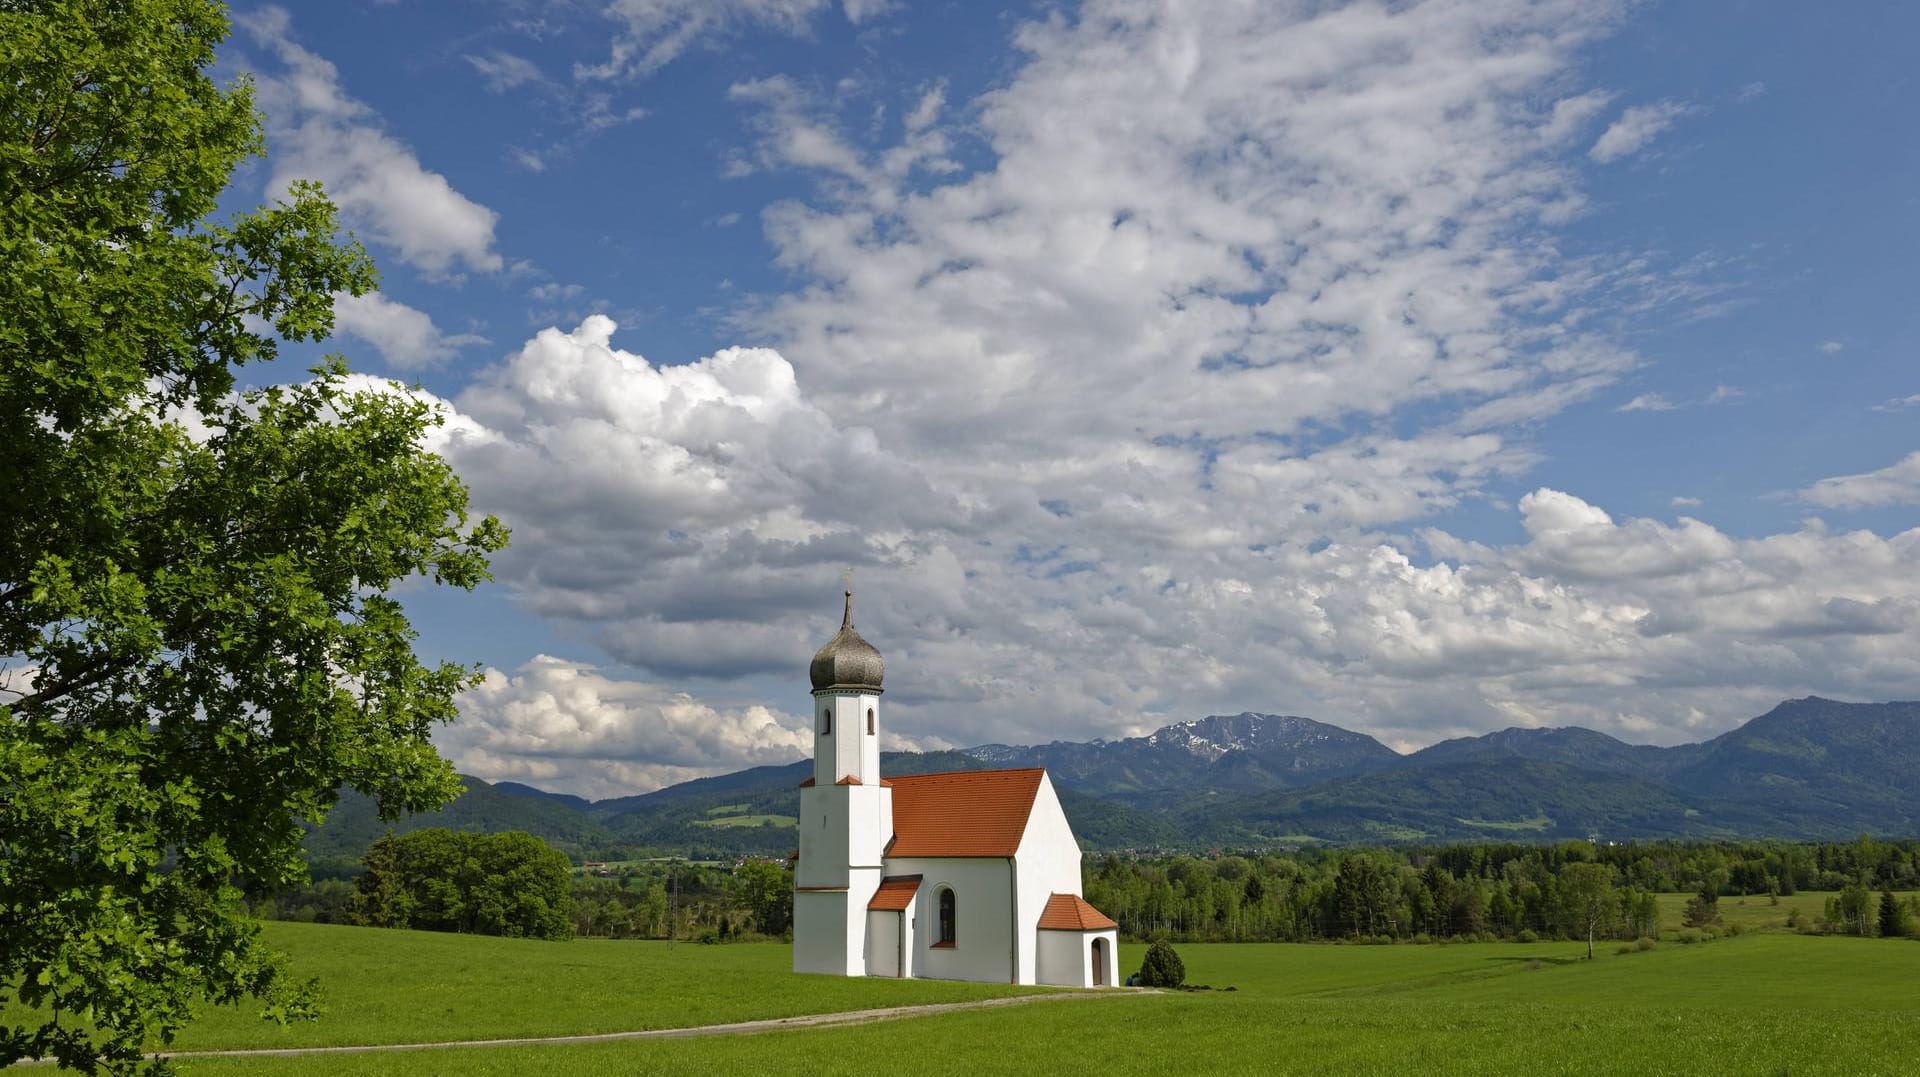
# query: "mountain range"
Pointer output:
{"type": "Point", "coordinates": [1810, 768]}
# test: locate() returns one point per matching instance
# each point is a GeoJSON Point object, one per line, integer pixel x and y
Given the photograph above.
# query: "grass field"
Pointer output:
{"type": "Point", "coordinates": [1757, 913]}
{"type": "Point", "coordinates": [1766, 1003]}
{"type": "Point", "coordinates": [749, 820]}
{"type": "Point", "coordinates": [385, 986]}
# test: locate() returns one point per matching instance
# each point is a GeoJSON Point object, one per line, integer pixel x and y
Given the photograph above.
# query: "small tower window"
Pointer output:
{"type": "Point", "coordinates": [869, 721]}
{"type": "Point", "coordinates": [946, 918]}
{"type": "Point", "coordinates": [826, 723]}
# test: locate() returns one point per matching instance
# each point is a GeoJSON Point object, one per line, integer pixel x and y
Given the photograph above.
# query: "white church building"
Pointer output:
{"type": "Point", "coordinates": [967, 875]}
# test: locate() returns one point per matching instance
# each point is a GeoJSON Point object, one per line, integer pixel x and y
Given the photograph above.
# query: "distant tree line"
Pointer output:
{"type": "Point", "coordinates": [1515, 891]}
{"type": "Point", "coordinates": [694, 902]}
{"type": "Point", "coordinates": [514, 884]}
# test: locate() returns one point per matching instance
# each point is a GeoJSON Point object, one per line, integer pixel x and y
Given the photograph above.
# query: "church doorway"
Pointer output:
{"type": "Point", "coordinates": [1099, 962]}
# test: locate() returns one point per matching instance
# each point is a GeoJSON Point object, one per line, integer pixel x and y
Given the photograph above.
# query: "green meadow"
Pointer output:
{"type": "Point", "coordinates": [749, 820]}
{"type": "Point", "coordinates": [1765, 1002]}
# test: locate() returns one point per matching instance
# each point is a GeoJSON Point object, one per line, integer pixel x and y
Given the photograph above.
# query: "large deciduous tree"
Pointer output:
{"type": "Point", "coordinates": [196, 647]}
{"type": "Point", "coordinates": [765, 889]}
{"type": "Point", "coordinates": [510, 884]}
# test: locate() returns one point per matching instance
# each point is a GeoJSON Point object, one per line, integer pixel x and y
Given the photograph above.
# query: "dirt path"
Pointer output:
{"type": "Point", "coordinates": [736, 1028]}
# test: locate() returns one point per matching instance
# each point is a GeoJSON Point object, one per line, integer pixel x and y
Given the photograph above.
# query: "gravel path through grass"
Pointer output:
{"type": "Point", "coordinates": [734, 1028]}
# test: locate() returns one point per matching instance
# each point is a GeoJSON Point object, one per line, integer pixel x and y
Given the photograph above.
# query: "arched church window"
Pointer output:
{"type": "Point", "coordinates": [869, 721]}
{"type": "Point", "coordinates": [826, 723]}
{"type": "Point", "coordinates": [946, 918]}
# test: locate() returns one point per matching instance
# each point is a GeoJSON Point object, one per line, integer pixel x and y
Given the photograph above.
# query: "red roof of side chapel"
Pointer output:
{"type": "Point", "coordinates": [895, 893]}
{"type": "Point", "coordinates": [962, 812]}
{"type": "Point", "coordinates": [1070, 912]}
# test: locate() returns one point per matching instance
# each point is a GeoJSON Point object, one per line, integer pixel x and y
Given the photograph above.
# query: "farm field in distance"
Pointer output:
{"type": "Point", "coordinates": [1766, 1002]}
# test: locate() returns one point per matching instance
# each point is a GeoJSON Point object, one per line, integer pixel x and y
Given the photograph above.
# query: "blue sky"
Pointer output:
{"type": "Point", "coordinates": [1426, 368]}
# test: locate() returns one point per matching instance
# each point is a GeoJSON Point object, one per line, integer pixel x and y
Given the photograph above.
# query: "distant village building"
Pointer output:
{"type": "Point", "coordinates": [967, 875]}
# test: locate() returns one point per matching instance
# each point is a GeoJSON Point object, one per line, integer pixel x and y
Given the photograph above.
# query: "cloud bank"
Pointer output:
{"type": "Point", "coordinates": [1157, 406]}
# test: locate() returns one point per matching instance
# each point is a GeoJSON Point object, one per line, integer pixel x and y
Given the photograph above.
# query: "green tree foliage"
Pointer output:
{"type": "Point", "coordinates": [1162, 967]}
{"type": "Point", "coordinates": [1702, 908]}
{"type": "Point", "coordinates": [1852, 912]}
{"type": "Point", "coordinates": [1467, 891]}
{"type": "Point", "coordinates": [510, 884]}
{"type": "Point", "coordinates": [765, 891]}
{"type": "Point", "coordinates": [1893, 918]}
{"type": "Point", "coordinates": [1363, 895]}
{"type": "Point", "coordinates": [1586, 892]}
{"type": "Point", "coordinates": [202, 652]}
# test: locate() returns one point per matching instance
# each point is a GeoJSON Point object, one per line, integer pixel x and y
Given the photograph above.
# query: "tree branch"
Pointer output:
{"type": "Point", "coordinates": [101, 671]}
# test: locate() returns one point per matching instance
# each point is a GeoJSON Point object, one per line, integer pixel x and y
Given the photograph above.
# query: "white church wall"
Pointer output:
{"type": "Point", "coordinates": [824, 834]}
{"type": "Point", "coordinates": [1066, 958]}
{"type": "Point", "coordinates": [842, 826]}
{"type": "Point", "coordinates": [983, 918]}
{"type": "Point", "coordinates": [1048, 863]}
{"type": "Point", "coordinates": [1059, 959]}
{"type": "Point", "coordinates": [820, 931]}
{"type": "Point", "coordinates": [842, 742]}
{"type": "Point", "coordinates": [830, 926]}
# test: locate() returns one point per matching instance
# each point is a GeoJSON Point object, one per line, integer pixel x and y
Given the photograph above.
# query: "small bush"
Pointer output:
{"type": "Point", "coordinates": [1689, 936]}
{"type": "Point", "coordinates": [1736, 928]}
{"type": "Point", "coordinates": [1162, 967]}
{"type": "Point", "coordinates": [1625, 948]}
{"type": "Point", "coordinates": [1645, 944]}
{"type": "Point", "coordinates": [1527, 934]}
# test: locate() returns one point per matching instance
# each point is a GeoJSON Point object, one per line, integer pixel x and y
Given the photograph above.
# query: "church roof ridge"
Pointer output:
{"type": "Point", "coordinates": [967, 771]}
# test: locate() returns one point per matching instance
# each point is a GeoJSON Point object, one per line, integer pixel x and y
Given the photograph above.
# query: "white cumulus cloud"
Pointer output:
{"type": "Point", "coordinates": [405, 337]}
{"type": "Point", "coordinates": [566, 725]}
{"type": "Point", "coordinates": [319, 132]}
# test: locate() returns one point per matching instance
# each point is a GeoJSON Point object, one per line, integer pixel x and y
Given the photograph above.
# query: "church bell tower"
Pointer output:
{"type": "Point", "coordinates": [846, 808]}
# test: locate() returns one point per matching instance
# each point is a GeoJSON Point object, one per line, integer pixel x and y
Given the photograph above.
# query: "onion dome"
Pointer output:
{"type": "Point", "coordinates": [847, 661]}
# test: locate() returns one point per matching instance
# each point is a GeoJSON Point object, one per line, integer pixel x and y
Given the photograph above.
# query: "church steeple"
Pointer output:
{"type": "Point", "coordinates": [846, 810]}
{"type": "Point", "coordinates": [847, 661]}
{"type": "Point", "coordinates": [846, 675]}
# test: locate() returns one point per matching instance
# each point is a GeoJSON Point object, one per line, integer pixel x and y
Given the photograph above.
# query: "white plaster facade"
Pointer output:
{"type": "Point", "coordinates": [1001, 870]}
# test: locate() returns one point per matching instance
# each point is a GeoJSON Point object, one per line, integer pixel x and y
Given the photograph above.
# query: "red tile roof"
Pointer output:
{"type": "Point", "coordinates": [1070, 912]}
{"type": "Point", "coordinates": [962, 812]}
{"type": "Point", "coordinates": [895, 893]}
